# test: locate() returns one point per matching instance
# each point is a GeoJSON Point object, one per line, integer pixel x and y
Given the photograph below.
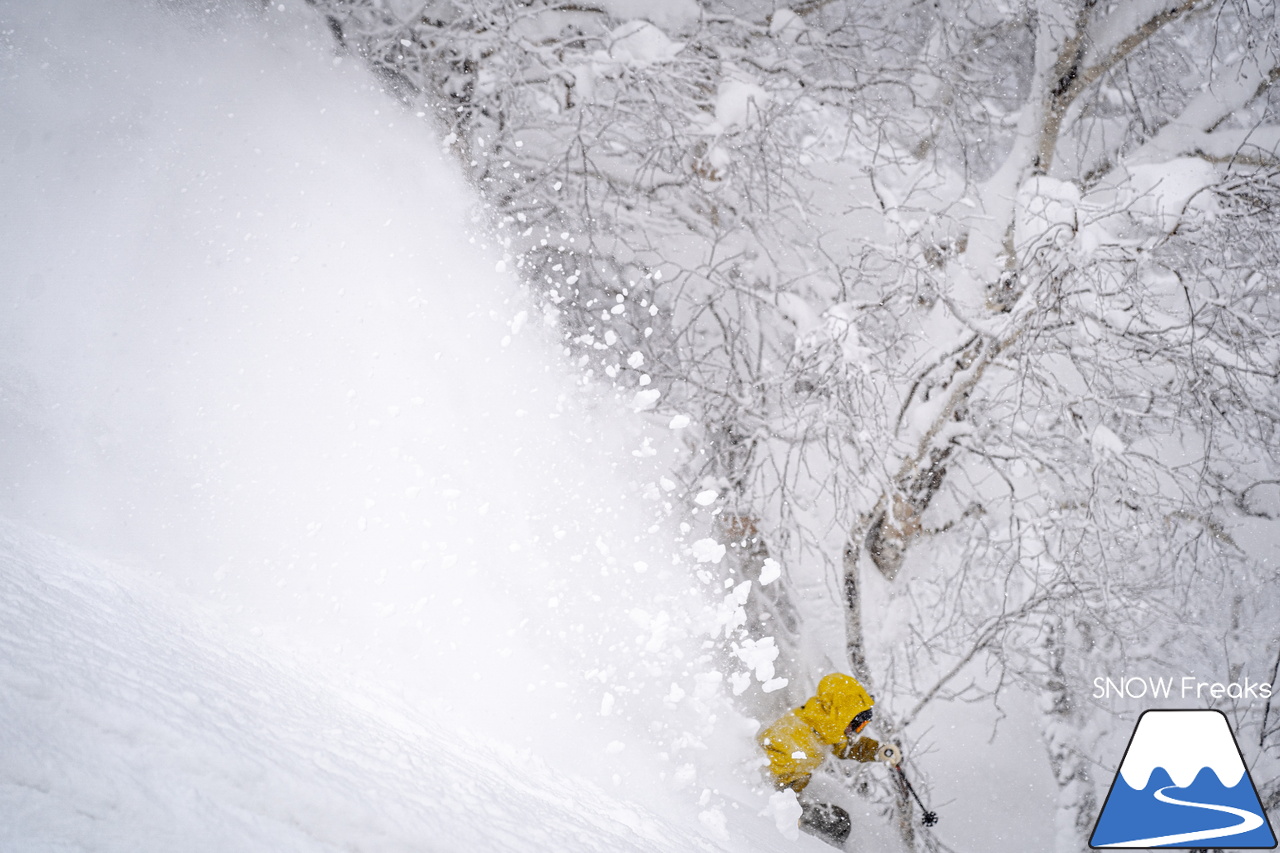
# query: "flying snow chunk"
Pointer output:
{"type": "Point", "coordinates": [784, 808]}
{"type": "Point", "coordinates": [707, 551]}
{"type": "Point", "coordinates": [645, 449]}
{"type": "Point", "coordinates": [774, 684]}
{"type": "Point", "coordinates": [645, 400]}
{"type": "Point", "coordinates": [635, 361]}
{"type": "Point", "coordinates": [706, 498]}
{"type": "Point", "coordinates": [770, 571]}
{"type": "Point", "coordinates": [759, 655]}
{"type": "Point", "coordinates": [679, 422]}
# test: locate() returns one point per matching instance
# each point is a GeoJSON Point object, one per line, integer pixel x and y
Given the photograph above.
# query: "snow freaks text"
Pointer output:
{"type": "Point", "coordinates": [1186, 687]}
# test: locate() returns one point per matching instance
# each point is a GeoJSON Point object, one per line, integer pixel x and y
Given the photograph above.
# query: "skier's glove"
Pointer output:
{"type": "Point", "coordinates": [889, 754]}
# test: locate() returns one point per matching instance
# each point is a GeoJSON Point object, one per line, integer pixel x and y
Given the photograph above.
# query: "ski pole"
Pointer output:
{"type": "Point", "coordinates": [928, 818]}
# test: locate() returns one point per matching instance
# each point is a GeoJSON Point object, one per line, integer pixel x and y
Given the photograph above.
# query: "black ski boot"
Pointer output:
{"type": "Point", "coordinates": [826, 822]}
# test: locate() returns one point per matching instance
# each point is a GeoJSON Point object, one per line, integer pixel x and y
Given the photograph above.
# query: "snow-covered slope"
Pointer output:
{"type": "Point", "coordinates": [129, 725]}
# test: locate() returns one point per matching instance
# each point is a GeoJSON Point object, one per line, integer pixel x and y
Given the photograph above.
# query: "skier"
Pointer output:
{"type": "Point", "coordinates": [798, 742]}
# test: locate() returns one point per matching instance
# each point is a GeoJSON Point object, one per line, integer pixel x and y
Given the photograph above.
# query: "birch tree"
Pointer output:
{"type": "Point", "coordinates": [1097, 389]}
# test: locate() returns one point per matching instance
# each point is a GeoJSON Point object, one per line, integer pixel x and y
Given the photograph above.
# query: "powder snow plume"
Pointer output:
{"type": "Point", "coordinates": [255, 342]}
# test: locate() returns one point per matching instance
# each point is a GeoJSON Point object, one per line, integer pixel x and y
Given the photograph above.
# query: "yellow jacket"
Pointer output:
{"type": "Point", "coordinates": [798, 742]}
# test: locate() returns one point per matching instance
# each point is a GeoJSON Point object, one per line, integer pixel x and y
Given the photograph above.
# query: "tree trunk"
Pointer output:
{"type": "Point", "coordinates": [855, 643]}
{"type": "Point", "coordinates": [1064, 725]}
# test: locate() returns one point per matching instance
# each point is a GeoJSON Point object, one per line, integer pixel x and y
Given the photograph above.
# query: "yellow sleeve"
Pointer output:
{"type": "Point", "coordinates": [862, 749]}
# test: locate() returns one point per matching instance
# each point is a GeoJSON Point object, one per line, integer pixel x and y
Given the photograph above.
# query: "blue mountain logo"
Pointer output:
{"type": "Point", "coordinates": [1183, 783]}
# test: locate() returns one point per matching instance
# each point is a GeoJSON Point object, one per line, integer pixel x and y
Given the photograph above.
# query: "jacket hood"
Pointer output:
{"type": "Point", "coordinates": [839, 699]}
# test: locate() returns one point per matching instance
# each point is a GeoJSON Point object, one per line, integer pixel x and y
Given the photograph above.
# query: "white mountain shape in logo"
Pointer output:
{"type": "Point", "coordinates": [1183, 743]}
